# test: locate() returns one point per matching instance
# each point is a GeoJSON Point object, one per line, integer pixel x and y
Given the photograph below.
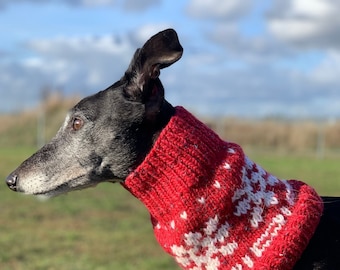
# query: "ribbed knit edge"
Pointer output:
{"type": "Point", "coordinates": [176, 164]}
{"type": "Point", "coordinates": [297, 232]}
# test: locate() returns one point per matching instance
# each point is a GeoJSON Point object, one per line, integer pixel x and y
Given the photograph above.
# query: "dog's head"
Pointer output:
{"type": "Point", "coordinates": [106, 135]}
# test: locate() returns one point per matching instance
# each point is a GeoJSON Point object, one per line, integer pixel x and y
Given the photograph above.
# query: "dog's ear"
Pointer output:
{"type": "Point", "coordinates": [160, 51]}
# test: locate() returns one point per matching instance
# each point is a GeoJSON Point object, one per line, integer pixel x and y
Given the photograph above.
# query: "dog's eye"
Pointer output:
{"type": "Point", "coordinates": [77, 123]}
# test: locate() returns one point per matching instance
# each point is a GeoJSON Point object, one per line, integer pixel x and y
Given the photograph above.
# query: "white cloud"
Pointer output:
{"type": "Point", "coordinates": [83, 54]}
{"type": "Point", "coordinates": [311, 8]}
{"type": "Point", "coordinates": [306, 23]}
{"type": "Point", "coordinates": [74, 46]}
{"type": "Point", "coordinates": [216, 9]}
{"type": "Point", "coordinates": [203, 82]}
{"type": "Point", "coordinates": [139, 5]}
{"type": "Point", "coordinates": [127, 5]}
{"type": "Point", "coordinates": [251, 50]}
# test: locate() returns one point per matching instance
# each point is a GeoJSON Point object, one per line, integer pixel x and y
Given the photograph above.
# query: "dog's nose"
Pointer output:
{"type": "Point", "coordinates": [11, 181]}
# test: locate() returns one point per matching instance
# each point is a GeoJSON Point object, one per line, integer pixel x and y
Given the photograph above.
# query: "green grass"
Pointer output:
{"type": "Point", "coordinates": [99, 228]}
{"type": "Point", "coordinates": [105, 227]}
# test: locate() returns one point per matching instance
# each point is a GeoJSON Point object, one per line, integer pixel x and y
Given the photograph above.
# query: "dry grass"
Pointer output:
{"type": "Point", "coordinates": [280, 136]}
{"type": "Point", "coordinates": [22, 128]}
{"type": "Point", "coordinates": [288, 137]}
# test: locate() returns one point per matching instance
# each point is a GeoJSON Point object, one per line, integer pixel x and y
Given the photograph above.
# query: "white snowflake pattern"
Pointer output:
{"type": "Point", "coordinates": [201, 249]}
{"type": "Point", "coordinates": [254, 195]}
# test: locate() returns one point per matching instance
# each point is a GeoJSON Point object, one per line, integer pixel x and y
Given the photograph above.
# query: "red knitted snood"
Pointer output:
{"type": "Point", "coordinates": [213, 208]}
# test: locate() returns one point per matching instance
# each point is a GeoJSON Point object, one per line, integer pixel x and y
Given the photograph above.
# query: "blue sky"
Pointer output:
{"type": "Point", "coordinates": [251, 58]}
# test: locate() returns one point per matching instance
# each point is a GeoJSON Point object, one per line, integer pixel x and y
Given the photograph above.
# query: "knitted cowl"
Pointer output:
{"type": "Point", "coordinates": [213, 208]}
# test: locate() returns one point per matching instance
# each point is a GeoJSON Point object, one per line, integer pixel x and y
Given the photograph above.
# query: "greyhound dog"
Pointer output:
{"type": "Point", "coordinates": [111, 136]}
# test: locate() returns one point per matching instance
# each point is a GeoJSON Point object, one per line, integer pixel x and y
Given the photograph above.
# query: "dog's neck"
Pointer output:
{"type": "Point", "coordinates": [162, 119]}
{"type": "Point", "coordinates": [151, 129]}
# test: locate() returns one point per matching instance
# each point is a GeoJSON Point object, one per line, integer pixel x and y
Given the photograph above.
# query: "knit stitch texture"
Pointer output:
{"type": "Point", "coordinates": [213, 208]}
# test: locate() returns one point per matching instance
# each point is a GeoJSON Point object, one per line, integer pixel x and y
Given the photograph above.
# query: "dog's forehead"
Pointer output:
{"type": "Point", "coordinates": [90, 106]}
{"type": "Point", "coordinates": [90, 101]}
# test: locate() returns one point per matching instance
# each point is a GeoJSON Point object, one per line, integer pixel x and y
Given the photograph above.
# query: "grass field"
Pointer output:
{"type": "Point", "coordinates": [105, 227]}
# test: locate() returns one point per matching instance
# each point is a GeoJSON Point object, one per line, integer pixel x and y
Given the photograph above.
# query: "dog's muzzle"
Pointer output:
{"type": "Point", "coordinates": [11, 181]}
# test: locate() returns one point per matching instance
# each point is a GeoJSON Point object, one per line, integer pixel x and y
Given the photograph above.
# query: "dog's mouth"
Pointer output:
{"type": "Point", "coordinates": [50, 184]}
{"type": "Point", "coordinates": [71, 185]}
{"type": "Point", "coordinates": [63, 189]}
{"type": "Point", "coordinates": [38, 187]}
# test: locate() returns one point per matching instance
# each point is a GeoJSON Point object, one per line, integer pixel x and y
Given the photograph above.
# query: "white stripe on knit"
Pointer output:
{"type": "Point", "coordinates": [269, 234]}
